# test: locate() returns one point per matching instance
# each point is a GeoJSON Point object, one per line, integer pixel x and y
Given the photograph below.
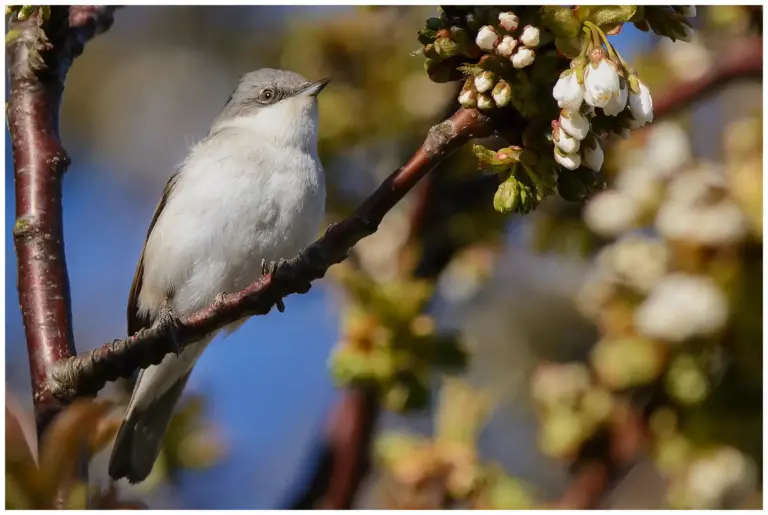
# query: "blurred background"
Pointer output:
{"type": "Point", "coordinates": [512, 287]}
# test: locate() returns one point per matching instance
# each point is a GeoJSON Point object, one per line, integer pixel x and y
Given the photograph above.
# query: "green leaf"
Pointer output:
{"type": "Point", "coordinates": [11, 36]}
{"type": "Point", "coordinates": [560, 20]}
{"type": "Point", "coordinates": [611, 15]}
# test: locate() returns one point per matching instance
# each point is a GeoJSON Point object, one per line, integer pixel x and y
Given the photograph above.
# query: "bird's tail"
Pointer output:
{"type": "Point", "coordinates": [139, 438]}
{"type": "Point", "coordinates": [157, 390]}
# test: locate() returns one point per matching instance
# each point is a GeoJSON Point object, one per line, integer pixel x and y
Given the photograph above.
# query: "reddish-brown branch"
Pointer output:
{"type": "Point", "coordinates": [744, 59]}
{"type": "Point", "coordinates": [89, 372]}
{"type": "Point", "coordinates": [38, 61]}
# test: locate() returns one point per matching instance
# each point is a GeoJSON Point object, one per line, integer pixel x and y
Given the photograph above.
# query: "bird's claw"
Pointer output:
{"type": "Point", "coordinates": [170, 322]}
{"type": "Point", "coordinates": [271, 268]}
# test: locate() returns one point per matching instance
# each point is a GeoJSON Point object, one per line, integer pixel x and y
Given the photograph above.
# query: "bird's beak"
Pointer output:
{"type": "Point", "coordinates": [315, 88]}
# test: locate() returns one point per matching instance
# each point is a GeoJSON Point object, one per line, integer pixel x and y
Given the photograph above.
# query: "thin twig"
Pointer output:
{"type": "Point", "coordinates": [89, 372]}
{"type": "Point", "coordinates": [39, 55]}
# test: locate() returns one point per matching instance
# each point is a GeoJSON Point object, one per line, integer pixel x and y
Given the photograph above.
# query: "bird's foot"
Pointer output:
{"type": "Point", "coordinates": [271, 268]}
{"type": "Point", "coordinates": [169, 322]}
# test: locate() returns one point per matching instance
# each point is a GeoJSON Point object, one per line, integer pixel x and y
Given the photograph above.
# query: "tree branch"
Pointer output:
{"type": "Point", "coordinates": [89, 372]}
{"type": "Point", "coordinates": [39, 55]}
{"type": "Point", "coordinates": [743, 59]}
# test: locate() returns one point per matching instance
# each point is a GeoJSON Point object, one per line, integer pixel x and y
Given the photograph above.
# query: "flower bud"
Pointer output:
{"type": "Point", "coordinates": [509, 21]}
{"type": "Point", "coordinates": [641, 105]}
{"type": "Point", "coordinates": [507, 46]}
{"type": "Point", "coordinates": [487, 38]}
{"type": "Point", "coordinates": [505, 199]}
{"type": "Point", "coordinates": [568, 92]}
{"type": "Point", "coordinates": [502, 93]}
{"type": "Point", "coordinates": [569, 161]}
{"type": "Point", "coordinates": [485, 81]}
{"type": "Point", "coordinates": [564, 141]}
{"type": "Point", "coordinates": [484, 101]}
{"type": "Point", "coordinates": [530, 36]}
{"type": "Point", "coordinates": [523, 57]}
{"type": "Point", "coordinates": [468, 98]}
{"type": "Point", "coordinates": [574, 123]}
{"type": "Point", "coordinates": [446, 47]}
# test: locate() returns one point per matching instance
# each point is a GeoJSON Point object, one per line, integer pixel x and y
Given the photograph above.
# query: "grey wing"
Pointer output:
{"type": "Point", "coordinates": [137, 322]}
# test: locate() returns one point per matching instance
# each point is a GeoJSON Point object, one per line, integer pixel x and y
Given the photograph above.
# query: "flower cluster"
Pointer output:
{"type": "Point", "coordinates": [603, 81]}
{"type": "Point", "coordinates": [520, 51]}
{"type": "Point", "coordinates": [666, 302]}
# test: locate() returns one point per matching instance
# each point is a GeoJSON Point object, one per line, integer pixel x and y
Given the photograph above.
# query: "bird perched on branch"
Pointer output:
{"type": "Point", "coordinates": [253, 190]}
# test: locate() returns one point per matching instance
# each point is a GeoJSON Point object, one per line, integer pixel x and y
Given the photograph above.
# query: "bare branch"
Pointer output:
{"type": "Point", "coordinates": [39, 55]}
{"type": "Point", "coordinates": [88, 373]}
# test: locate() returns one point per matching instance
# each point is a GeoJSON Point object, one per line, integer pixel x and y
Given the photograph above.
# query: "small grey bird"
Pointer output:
{"type": "Point", "coordinates": [252, 190]}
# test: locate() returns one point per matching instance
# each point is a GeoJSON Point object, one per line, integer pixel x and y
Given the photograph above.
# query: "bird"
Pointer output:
{"type": "Point", "coordinates": [251, 191]}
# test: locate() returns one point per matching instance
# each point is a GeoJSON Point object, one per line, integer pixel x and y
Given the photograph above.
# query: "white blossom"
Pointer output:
{"type": "Point", "coordinates": [720, 224]}
{"type": "Point", "coordinates": [574, 123]}
{"type": "Point", "coordinates": [486, 38]}
{"type": "Point", "coordinates": [722, 473]}
{"type": "Point", "coordinates": [637, 261]}
{"type": "Point", "coordinates": [569, 161]}
{"type": "Point", "coordinates": [509, 21]}
{"type": "Point", "coordinates": [618, 101]}
{"type": "Point", "coordinates": [484, 81]}
{"type": "Point", "coordinates": [639, 182]}
{"type": "Point", "coordinates": [523, 57]}
{"type": "Point", "coordinates": [568, 92]}
{"type": "Point", "coordinates": [601, 80]}
{"type": "Point", "coordinates": [641, 105]}
{"type": "Point", "coordinates": [530, 36]}
{"type": "Point", "coordinates": [668, 149]}
{"type": "Point", "coordinates": [507, 46]}
{"type": "Point", "coordinates": [610, 213]}
{"type": "Point", "coordinates": [594, 157]}
{"type": "Point", "coordinates": [682, 306]}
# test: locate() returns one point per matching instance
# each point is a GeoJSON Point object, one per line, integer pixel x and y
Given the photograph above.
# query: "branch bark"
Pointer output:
{"type": "Point", "coordinates": [87, 373]}
{"type": "Point", "coordinates": [38, 58]}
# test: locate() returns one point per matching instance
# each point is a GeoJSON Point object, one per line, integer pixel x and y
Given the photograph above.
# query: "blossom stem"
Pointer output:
{"type": "Point", "coordinates": [601, 35]}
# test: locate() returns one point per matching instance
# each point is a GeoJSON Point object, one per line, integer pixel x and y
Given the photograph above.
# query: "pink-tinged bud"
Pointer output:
{"type": "Point", "coordinates": [509, 21]}
{"type": "Point", "coordinates": [506, 47]}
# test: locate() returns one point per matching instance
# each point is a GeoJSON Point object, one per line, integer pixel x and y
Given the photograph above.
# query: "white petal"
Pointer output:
{"type": "Point", "coordinates": [617, 103]}
{"type": "Point", "coordinates": [641, 106]}
{"type": "Point", "coordinates": [566, 143]}
{"type": "Point", "coordinates": [569, 161]}
{"type": "Point", "coordinates": [574, 123]}
{"type": "Point", "coordinates": [568, 92]}
{"type": "Point", "coordinates": [610, 213]}
{"type": "Point", "coordinates": [594, 157]}
{"type": "Point", "coordinates": [507, 46]}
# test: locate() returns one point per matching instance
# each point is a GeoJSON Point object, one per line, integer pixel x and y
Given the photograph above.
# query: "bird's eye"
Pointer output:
{"type": "Point", "coordinates": [267, 95]}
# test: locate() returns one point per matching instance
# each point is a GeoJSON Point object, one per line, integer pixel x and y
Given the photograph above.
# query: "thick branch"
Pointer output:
{"type": "Point", "coordinates": [38, 59]}
{"type": "Point", "coordinates": [89, 372]}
